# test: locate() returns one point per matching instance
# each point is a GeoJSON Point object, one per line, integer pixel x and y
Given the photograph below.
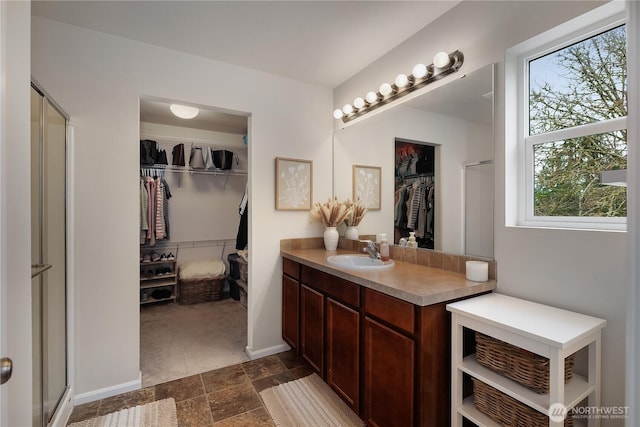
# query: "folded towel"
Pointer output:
{"type": "Point", "coordinates": [202, 269]}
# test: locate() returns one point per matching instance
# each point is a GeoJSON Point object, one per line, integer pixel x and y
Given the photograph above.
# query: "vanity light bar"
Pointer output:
{"type": "Point", "coordinates": [421, 75]}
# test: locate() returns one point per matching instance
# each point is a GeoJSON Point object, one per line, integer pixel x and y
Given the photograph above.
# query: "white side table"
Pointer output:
{"type": "Point", "coordinates": [548, 331]}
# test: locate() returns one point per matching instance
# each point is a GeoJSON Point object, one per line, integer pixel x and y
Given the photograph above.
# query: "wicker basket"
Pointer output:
{"type": "Point", "coordinates": [194, 291]}
{"type": "Point", "coordinates": [506, 410]}
{"type": "Point", "coordinates": [529, 369]}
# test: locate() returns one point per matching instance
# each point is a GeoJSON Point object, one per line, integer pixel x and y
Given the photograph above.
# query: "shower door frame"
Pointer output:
{"type": "Point", "coordinates": [51, 413]}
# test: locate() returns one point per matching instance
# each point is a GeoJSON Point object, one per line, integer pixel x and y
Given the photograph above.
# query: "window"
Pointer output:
{"type": "Point", "coordinates": [571, 105]}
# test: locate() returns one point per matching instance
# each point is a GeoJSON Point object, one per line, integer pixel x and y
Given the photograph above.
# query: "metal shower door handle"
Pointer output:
{"type": "Point", "coordinates": [6, 368]}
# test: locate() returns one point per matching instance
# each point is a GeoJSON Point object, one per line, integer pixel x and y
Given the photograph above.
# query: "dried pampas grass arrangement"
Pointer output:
{"type": "Point", "coordinates": [357, 212]}
{"type": "Point", "coordinates": [330, 213]}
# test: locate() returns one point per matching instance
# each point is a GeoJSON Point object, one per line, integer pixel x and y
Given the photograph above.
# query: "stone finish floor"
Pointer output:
{"type": "Point", "coordinates": [222, 397]}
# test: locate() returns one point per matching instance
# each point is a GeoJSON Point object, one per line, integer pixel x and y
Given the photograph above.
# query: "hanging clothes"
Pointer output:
{"type": "Point", "coordinates": [154, 210]}
{"type": "Point", "coordinates": [165, 205]}
{"type": "Point", "coordinates": [151, 210]}
{"type": "Point", "coordinates": [243, 228]}
{"type": "Point", "coordinates": [144, 203]}
{"type": "Point", "coordinates": [414, 208]}
{"type": "Point", "coordinates": [159, 210]}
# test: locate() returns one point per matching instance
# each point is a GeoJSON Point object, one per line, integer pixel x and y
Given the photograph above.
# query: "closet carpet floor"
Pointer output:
{"type": "Point", "coordinates": [178, 341]}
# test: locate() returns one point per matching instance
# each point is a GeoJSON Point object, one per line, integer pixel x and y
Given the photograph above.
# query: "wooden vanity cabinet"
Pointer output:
{"type": "Point", "coordinates": [389, 376]}
{"type": "Point", "coordinates": [343, 352]}
{"type": "Point", "coordinates": [312, 327]}
{"type": "Point", "coordinates": [388, 359]}
{"type": "Point", "coordinates": [291, 303]}
{"type": "Point", "coordinates": [330, 331]}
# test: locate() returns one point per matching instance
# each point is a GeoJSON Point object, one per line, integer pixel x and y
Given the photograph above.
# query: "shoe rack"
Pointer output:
{"type": "Point", "coordinates": [158, 275]}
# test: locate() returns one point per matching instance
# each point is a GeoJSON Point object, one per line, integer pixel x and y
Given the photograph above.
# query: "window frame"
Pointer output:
{"type": "Point", "coordinates": [520, 197]}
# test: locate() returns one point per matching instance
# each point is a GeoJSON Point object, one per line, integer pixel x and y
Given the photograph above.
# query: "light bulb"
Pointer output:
{"type": "Point", "coordinates": [184, 111]}
{"type": "Point", "coordinates": [385, 89]}
{"type": "Point", "coordinates": [419, 71]}
{"type": "Point", "coordinates": [347, 109]}
{"type": "Point", "coordinates": [371, 97]}
{"type": "Point", "coordinates": [401, 80]}
{"type": "Point", "coordinates": [441, 59]}
{"type": "Point", "coordinates": [337, 113]}
{"type": "Point", "coordinates": [358, 103]}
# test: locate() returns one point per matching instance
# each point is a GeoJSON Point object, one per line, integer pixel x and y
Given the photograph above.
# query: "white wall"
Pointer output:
{"type": "Point", "coordinates": [16, 403]}
{"type": "Point", "coordinates": [98, 79]}
{"type": "Point", "coordinates": [576, 270]}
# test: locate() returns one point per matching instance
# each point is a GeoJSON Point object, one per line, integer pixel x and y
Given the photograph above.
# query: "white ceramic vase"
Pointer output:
{"type": "Point", "coordinates": [352, 233]}
{"type": "Point", "coordinates": [331, 237]}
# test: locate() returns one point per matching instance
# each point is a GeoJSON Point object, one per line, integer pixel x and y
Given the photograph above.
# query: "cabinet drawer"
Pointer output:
{"type": "Point", "coordinates": [291, 268]}
{"type": "Point", "coordinates": [398, 313]}
{"type": "Point", "coordinates": [338, 288]}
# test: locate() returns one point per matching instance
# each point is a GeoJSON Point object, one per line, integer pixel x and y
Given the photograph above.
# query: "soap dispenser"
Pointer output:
{"type": "Point", "coordinates": [412, 240]}
{"type": "Point", "coordinates": [384, 248]}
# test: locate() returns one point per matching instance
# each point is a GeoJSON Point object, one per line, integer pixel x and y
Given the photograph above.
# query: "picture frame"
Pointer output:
{"type": "Point", "coordinates": [366, 186]}
{"type": "Point", "coordinates": [294, 184]}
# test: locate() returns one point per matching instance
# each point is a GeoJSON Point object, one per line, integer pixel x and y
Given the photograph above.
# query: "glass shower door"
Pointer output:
{"type": "Point", "coordinates": [48, 195]}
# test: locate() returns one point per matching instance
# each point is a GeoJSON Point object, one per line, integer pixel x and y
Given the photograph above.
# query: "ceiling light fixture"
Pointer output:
{"type": "Point", "coordinates": [184, 111]}
{"type": "Point", "coordinates": [421, 75]}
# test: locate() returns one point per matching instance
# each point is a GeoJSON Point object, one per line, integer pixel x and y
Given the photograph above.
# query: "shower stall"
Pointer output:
{"type": "Point", "coordinates": [48, 255]}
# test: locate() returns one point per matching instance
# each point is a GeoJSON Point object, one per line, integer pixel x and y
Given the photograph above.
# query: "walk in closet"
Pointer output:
{"type": "Point", "coordinates": [414, 203]}
{"type": "Point", "coordinates": [193, 221]}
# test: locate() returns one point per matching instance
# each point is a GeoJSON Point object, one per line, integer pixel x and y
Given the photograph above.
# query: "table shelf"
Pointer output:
{"type": "Point", "coordinates": [547, 331]}
{"type": "Point", "coordinates": [574, 392]}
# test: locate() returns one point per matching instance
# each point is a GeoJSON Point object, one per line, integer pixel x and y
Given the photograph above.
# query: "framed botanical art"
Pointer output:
{"type": "Point", "coordinates": [366, 186]}
{"type": "Point", "coordinates": [293, 184]}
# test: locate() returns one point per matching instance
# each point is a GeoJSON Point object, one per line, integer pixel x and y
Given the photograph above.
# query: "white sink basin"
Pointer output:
{"type": "Point", "coordinates": [359, 262]}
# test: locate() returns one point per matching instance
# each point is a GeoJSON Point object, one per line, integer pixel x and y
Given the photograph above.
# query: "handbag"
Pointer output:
{"type": "Point", "coordinates": [148, 152]}
{"type": "Point", "coordinates": [223, 159]}
{"type": "Point", "coordinates": [196, 159]}
{"type": "Point", "coordinates": [178, 155]}
{"type": "Point", "coordinates": [208, 158]}
{"type": "Point", "coordinates": [162, 157]}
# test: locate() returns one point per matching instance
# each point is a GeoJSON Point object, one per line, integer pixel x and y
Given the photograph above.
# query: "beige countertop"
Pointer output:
{"type": "Point", "coordinates": [413, 283]}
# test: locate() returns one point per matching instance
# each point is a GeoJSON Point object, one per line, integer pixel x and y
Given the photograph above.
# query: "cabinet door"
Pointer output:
{"type": "Point", "coordinates": [343, 355]}
{"type": "Point", "coordinates": [290, 311]}
{"type": "Point", "coordinates": [389, 376]}
{"type": "Point", "coordinates": [312, 327]}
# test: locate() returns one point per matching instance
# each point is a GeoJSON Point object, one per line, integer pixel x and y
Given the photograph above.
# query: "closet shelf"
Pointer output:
{"type": "Point", "coordinates": [189, 169]}
{"type": "Point", "coordinates": [157, 276]}
{"type": "Point", "coordinates": [152, 300]}
{"type": "Point", "coordinates": [158, 283]}
{"type": "Point", "coordinates": [157, 280]}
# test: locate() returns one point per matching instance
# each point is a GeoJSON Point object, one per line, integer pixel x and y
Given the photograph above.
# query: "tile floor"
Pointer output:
{"type": "Point", "coordinates": [222, 397]}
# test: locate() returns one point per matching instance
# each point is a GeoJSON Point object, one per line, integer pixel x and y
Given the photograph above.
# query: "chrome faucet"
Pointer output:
{"type": "Point", "coordinates": [371, 249]}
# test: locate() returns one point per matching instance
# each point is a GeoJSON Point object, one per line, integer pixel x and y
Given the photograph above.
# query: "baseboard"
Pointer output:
{"type": "Point", "coordinates": [257, 354]}
{"type": "Point", "coordinates": [108, 391]}
{"type": "Point", "coordinates": [61, 417]}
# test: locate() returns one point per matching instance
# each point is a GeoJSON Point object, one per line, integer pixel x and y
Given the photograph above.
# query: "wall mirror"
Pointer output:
{"type": "Point", "coordinates": [456, 119]}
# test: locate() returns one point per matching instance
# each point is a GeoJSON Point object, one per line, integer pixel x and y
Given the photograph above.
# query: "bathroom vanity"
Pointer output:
{"type": "Point", "coordinates": [380, 339]}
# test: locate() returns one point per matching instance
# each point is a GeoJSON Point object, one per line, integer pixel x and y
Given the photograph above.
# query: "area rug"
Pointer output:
{"type": "Point", "coordinates": [307, 402]}
{"type": "Point", "coordinates": [161, 413]}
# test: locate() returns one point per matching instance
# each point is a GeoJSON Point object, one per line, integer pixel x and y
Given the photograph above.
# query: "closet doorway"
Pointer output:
{"type": "Point", "coordinates": [193, 240]}
{"type": "Point", "coordinates": [415, 198]}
